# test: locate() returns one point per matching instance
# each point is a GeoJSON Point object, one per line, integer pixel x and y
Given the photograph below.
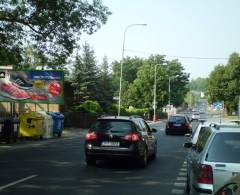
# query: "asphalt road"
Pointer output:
{"type": "Point", "coordinates": [57, 167]}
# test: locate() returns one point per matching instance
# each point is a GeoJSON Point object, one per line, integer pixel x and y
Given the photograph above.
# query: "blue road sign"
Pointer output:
{"type": "Point", "coordinates": [217, 105]}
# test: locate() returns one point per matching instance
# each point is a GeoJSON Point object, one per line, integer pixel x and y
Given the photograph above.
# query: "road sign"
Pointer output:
{"type": "Point", "coordinates": [217, 105]}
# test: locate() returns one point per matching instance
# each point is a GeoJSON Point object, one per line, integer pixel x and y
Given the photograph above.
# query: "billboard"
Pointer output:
{"type": "Point", "coordinates": [33, 86]}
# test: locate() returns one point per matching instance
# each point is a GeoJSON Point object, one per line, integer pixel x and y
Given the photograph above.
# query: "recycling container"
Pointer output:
{"type": "Point", "coordinates": [9, 128]}
{"type": "Point", "coordinates": [31, 124]}
{"type": "Point", "coordinates": [1, 127]}
{"type": "Point", "coordinates": [58, 121]}
{"type": "Point", "coordinates": [47, 124]}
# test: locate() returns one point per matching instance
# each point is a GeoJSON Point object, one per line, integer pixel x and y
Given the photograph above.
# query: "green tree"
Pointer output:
{"type": "Point", "coordinates": [54, 27]}
{"type": "Point", "coordinates": [85, 76]}
{"type": "Point", "coordinates": [140, 92]}
{"type": "Point", "coordinates": [105, 84]}
{"type": "Point", "coordinates": [199, 84]}
{"type": "Point", "coordinates": [217, 84]}
{"type": "Point", "coordinates": [178, 82]}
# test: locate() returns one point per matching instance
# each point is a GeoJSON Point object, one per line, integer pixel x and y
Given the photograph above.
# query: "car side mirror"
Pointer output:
{"type": "Point", "coordinates": [188, 145]}
{"type": "Point", "coordinates": [154, 130]}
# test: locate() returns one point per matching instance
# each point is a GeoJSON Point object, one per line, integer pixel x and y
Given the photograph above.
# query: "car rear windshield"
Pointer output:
{"type": "Point", "coordinates": [113, 126]}
{"type": "Point", "coordinates": [177, 119]}
{"type": "Point", "coordinates": [225, 148]}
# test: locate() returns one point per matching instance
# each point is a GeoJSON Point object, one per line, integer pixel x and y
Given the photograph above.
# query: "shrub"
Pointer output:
{"type": "Point", "coordinates": [89, 106]}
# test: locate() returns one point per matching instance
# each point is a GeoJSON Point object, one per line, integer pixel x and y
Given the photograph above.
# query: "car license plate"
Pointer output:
{"type": "Point", "coordinates": [177, 125]}
{"type": "Point", "coordinates": [113, 144]}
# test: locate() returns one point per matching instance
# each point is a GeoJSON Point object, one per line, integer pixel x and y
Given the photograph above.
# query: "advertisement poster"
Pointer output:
{"type": "Point", "coordinates": [32, 86]}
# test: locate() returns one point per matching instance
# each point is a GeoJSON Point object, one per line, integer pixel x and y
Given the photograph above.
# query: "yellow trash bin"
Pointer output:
{"type": "Point", "coordinates": [31, 124]}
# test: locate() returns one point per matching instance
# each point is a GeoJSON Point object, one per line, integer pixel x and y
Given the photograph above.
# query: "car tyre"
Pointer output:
{"type": "Point", "coordinates": [187, 187]}
{"type": "Point", "coordinates": [90, 161]}
{"type": "Point", "coordinates": [59, 134]}
{"type": "Point", "coordinates": [143, 160]}
{"type": "Point", "coordinates": [154, 155]}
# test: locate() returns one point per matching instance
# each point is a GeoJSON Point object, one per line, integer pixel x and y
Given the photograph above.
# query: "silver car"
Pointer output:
{"type": "Point", "coordinates": [214, 158]}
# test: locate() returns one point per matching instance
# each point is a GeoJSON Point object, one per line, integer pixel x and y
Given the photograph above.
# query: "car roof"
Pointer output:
{"type": "Point", "coordinates": [183, 115]}
{"type": "Point", "coordinates": [118, 117]}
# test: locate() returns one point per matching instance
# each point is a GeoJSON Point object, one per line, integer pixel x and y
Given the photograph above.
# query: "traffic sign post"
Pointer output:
{"type": "Point", "coordinates": [239, 107]}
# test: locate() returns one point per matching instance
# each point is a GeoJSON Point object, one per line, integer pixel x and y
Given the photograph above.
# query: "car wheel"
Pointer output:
{"type": "Point", "coordinates": [59, 134]}
{"type": "Point", "coordinates": [154, 155]}
{"type": "Point", "coordinates": [187, 187]}
{"type": "Point", "coordinates": [167, 133]}
{"type": "Point", "coordinates": [90, 161]}
{"type": "Point", "coordinates": [143, 159]}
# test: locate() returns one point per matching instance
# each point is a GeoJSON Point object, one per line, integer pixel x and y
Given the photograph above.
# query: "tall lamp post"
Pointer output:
{"type": "Point", "coordinates": [121, 71]}
{"type": "Point", "coordinates": [155, 93]}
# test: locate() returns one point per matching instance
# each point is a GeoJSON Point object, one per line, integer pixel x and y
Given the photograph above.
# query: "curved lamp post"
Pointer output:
{"type": "Point", "coordinates": [121, 71]}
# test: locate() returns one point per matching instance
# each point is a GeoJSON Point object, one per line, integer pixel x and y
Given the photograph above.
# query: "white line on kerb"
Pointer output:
{"type": "Point", "coordinates": [17, 182]}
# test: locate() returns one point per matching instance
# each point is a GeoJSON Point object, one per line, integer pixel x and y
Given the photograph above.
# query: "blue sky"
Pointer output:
{"type": "Point", "coordinates": [203, 28]}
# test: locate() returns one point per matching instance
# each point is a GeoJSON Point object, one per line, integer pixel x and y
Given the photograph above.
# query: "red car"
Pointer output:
{"type": "Point", "coordinates": [178, 124]}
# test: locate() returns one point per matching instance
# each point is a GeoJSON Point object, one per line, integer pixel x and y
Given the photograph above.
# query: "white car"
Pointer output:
{"type": "Point", "coordinates": [195, 116]}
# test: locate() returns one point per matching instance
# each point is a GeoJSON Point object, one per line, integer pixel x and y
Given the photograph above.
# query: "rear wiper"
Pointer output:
{"type": "Point", "coordinates": [114, 131]}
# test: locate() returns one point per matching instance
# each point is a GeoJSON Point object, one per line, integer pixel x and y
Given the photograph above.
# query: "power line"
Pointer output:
{"type": "Point", "coordinates": [184, 57]}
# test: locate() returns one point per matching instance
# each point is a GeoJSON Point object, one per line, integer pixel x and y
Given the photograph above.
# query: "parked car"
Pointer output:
{"type": "Point", "coordinates": [117, 137]}
{"type": "Point", "coordinates": [231, 187]}
{"type": "Point", "coordinates": [196, 116]}
{"type": "Point", "coordinates": [214, 159]}
{"type": "Point", "coordinates": [178, 124]}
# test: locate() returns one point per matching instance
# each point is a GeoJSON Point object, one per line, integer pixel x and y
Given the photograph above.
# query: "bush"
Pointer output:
{"type": "Point", "coordinates": [89, 106]}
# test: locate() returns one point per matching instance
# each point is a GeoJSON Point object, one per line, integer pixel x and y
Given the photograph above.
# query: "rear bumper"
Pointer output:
{"type": "Point", "coordinates": [177, 131]}
{"type": "Point", "coordinates": [101, 153]}
{"type": "Point", "coordinates": [202, 189]}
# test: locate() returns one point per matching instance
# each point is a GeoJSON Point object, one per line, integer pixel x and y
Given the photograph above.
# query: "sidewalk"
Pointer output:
{"type": "Point", "coordinates": [70, 132]}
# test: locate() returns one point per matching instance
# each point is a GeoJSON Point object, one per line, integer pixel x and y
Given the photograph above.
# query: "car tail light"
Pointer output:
{"type": "Point", "coordinates": [205, 174]}
{"type": "Point", "coordinates": [91, 136]}
{"type": "Point", "coordinates": [132, 137]}
{"type": "Point", "coordinates": [187, 125]}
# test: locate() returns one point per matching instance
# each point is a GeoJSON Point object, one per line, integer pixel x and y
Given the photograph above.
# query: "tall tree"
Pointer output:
{"type": "Point", "coordinates": [53, 26]}
{"type": "Point", "coordinates": [199, 84]}
{"type": "Point", "coordinates": [105, 84]}
{"type": "Point", "coordinates": [178, 82]}
{"type": "Point", "coordinates": [85, 76]}
{"type": "Point", "coordinates": [140, 93]}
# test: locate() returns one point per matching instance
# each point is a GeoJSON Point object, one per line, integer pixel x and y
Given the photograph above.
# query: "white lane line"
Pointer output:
{"type": "Point", "coordinates": [17, 182]}
{"type": "Point", "coordinates": [176, 191]}
{"type": "Point", "coordinates": [177, 184]}
{"type": "Point", "coordinates": [182, 173]}
{"type": "Point", "coordinates": [181, 179]}
{"type": "Point", "coordinates": [183, 169]}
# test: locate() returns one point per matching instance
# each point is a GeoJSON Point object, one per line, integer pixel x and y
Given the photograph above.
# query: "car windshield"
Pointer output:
{"type": "Point", "coordinates": [113, 126]}
{"type": "Point", "coordinates": [225, 148]}
{"type": "Point", "coordinates": [177, 119]}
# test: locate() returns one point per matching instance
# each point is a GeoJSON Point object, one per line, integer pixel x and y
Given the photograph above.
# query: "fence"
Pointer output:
{"type": "Point", "coordinates": [78, 119]}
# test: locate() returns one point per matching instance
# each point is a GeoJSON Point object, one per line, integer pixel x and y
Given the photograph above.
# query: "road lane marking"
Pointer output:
{"type": "Point", "coordinates": [181, 179]}
{"type": "Point", "coordinates": [17, 182]}
{"type": "Point", "coordinates": [182, 174]}
{"type": "Point", "coordinates": [177, 184]}
{"type": "Point", "coordinates": [177, 191]}
{"type": "Point", "coordinates": [183, 169]}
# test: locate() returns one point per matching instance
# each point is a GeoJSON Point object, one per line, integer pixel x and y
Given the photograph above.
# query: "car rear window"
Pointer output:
{"type": "Point", "coordinates": [177, 119]}
{"type": "Point", "coordinates": [113, 126]}
{"type": "Point", "coordinates": [225, 148]}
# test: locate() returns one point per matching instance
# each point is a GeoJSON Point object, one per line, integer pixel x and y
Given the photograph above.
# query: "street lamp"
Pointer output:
{"type": "Point", "coordinates": [155, 93]}
{"type": "Point", "coordinates": [121, 71]}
